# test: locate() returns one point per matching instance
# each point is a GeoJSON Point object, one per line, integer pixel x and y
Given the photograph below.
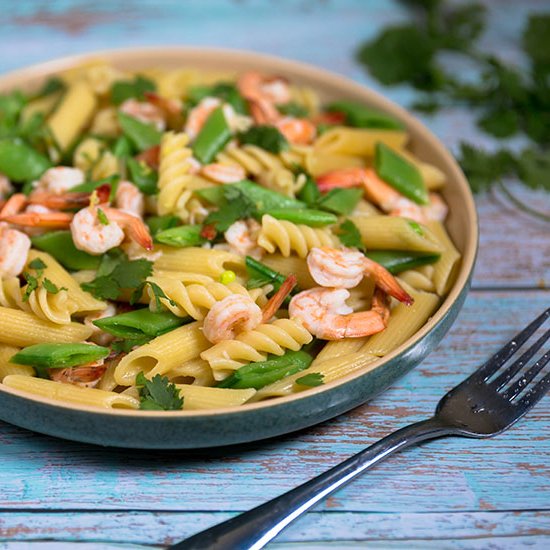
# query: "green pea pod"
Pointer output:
{"type": "Point", "coordinates": [121, 90]}
{"type": "Point", "coordinates": [19, 162]}
{"type": "Point", "coordinates": [305, 216]}
{"type": "Point", "coordinates": [140, 322]}
{"type": "Point", "coordinates": [143, 177]}
{"type": "Point", "coordinates": [396, 261]}
{"type": "Point", "coordinates": [142, 135]}
{"type": "Point", "coordinates": [224, 90]}
{"type": "Point", "coordinates": [360, 116]}
{"type": "Point", "coordinates": [258, 375]}
{"type": "Point", "coordinates": [264, 199]}
{"type": "Point", "coordinates": [260, 274]}
{"type": "Point", "coordinates": [182, 236]}
{"type": "Point", "coordinates": [122, 147]}
{"type": "Point", "coordinates": [58, 356]}
{"type": "Point", "coordinates": [213, 137]}
{"type": "Point", "coordinates": [398, 172]}
{"type": "Point", "coordinates": [61, 246]}
{"type": "Point", "coordinates": [340, 201]}
{"type": "Point", "coordinates": [160, 223]}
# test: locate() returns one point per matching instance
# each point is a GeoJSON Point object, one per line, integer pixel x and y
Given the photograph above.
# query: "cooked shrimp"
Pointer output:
{"type": "Point", "coordinates": [6, 188]}
{"type": "Point", "coordinates": [383, 195]}
{"type": "Point", "coordinates": [59, 201]}
{"type": "Point", "coordinates": [49, 219]}
{"type": "Point", "coordinates": [230, 316]}
{"type": "Point", "coordinates": [98, 336]}
{"type": "Point", "coordinates": [263, 111]}
{"type": "Point", "coordinates": [14, 248]}
{"type": "Point", "coordinates": [60, 179]}
{"type": "Point", "coordinates": [198, 115]}
{"type": "Point", "coordinates": [13, 205]}
{"type": "Point", "coordinates": [324, 312]}
{"type": "Point", "coordinates": [144, 112]}
{"type": "Point", "coordinates": [223, 173]}
{"type": "Point", "coordinates": [129, 198]}
{"type": "Point", "coordinates": [86, 376]}
{"type": "Point", "coordinates": [253, 86]}
{"type": "Point", "coordinates": [91, 235]}
{"type": "Point", "coordinates": [345, 268]}
{"type": "Point", "coordinates": [297, 130]}
{"type": "Point", "coordinates": [242, 237]}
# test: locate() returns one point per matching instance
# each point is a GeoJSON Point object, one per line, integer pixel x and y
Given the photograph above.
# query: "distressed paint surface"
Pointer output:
{"type": "Point", "coordinates": [447, 494]}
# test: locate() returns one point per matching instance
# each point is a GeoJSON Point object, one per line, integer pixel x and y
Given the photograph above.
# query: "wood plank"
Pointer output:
{"type": "Point", "coordinates": [456, 474]}
{"type": "Point", "coordinates": [164, 528]}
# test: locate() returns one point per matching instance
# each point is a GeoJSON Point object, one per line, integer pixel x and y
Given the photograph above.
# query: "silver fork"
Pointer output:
{"type": "Point", "coordinates": [485, 404]}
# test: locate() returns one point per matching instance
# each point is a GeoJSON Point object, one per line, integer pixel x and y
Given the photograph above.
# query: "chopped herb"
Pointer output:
{"type": "Point", "coordinates": [237, 206]}
{"type": "Point", "coordinates": [37, 263]}
{"type": "Point", "coordinates": [102, 217]}
{"type": "Point", "coordinates": [116, 273]}
{"type": "Point", "coordinates": [350, 236]}
{"type": "Point", "coordinates": [158, 394]}
{"type": "Point", "coordinates": [312, 379]}
{"type": "Point", "coordinates": [32, 284]}
{"type": "Point", "coordinates": [265, 137]}
{"type": "Point", "coordinates": [158, 293]}
{"type": "Point", "coordinates": [51, 287]}
{"type": "Point", "coordinates": [126, 89]}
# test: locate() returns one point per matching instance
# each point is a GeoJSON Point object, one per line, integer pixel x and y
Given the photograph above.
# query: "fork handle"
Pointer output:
{"type": "Point", "coordinates": [252, 530]}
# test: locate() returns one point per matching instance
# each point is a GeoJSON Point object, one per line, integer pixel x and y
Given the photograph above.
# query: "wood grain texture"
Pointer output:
{"type": "Point", "coordinates": [464, 494]}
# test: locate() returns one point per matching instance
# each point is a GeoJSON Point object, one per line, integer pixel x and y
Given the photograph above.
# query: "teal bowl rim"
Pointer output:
{"type": "Point", "coordinates": [227, 58]}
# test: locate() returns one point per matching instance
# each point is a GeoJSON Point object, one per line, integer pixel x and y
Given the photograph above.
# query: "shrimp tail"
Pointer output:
{"type": "Point", "coordinates": [53, 220]}
{"type": "Point", "coordinates": [137, 230]}
{"type": "Point", "coordinates": [275, 302]}
{"type": "Point", "coordinates": [387, 282]}
{"type": "Point", "coordinates": [13, 205]}
{"type": "Point", "coordinates": [351, 177]}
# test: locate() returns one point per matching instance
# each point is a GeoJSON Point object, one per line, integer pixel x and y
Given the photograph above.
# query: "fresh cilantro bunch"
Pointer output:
{"type": "Point", "coordinates": [508, 101]}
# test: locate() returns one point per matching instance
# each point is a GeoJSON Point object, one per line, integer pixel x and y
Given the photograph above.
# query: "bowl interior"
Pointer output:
{"type": "Point", "coordinates": [461, 222]}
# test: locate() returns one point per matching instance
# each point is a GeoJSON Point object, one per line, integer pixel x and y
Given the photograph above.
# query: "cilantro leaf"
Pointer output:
{"type": "Point", "coordinates": [32, 284]}
{"type": "Point", "coordinates": [122, 90]}
{"type": "Point", "coordinates": [158, 394]}
{"type": "Point", "coordinates": [312, 379]}
{"type": "Point", "coordinates": [237, 206]}
{"type": "Point", "coordinates": [116, 273]}
{"type": "Point", "coordinates": [37, 263]}
{"type": "Point", "coordinates": [536, 42]}
{"type": "Point", "coordinates": [266, 137]}
{"type": "Point", "coordinates": [51, 287]}
{"type": "Point", "coordinates": [158, 293]}
{"type": "Point", "coordinates": [349, 235]}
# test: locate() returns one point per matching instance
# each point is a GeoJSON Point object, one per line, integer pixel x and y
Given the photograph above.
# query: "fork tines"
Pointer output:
{"type": "Point", "coordinates": [502, 382]}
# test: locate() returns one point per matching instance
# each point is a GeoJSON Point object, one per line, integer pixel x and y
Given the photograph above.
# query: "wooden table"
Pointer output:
{"type": "Point", "coordinates": [447, 494]}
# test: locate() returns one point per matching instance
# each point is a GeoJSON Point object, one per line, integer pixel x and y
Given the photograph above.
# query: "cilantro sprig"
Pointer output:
{"type": "Point", "coordinates": [237, 206]}
{"type": "Point", "coordinates": [117, 273]}
{"type": "Point", "coordinates": [158, 394]}
{"type": "Point", "coordinates": [508, 101]}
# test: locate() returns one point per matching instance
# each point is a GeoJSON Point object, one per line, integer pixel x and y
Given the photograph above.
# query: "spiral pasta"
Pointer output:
{"type": "Point", "coordinates": [290, 237]}
{"type": "Point", "coordinates": [267, 167]}
{"type": "Point", "coordinates": [306, 97]}
{"type": "Point", "coordinates": [174, 177]}
{"type": "Point", "coordinates": [194, 298]}
{"type": "Point", "coordinates": [57, 308]}
{"type": "Point", "coordinates": [254, 345]}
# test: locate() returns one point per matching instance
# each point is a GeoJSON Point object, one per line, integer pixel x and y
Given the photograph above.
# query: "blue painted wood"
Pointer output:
{"type": "Point", "coordinates": [452, 494]}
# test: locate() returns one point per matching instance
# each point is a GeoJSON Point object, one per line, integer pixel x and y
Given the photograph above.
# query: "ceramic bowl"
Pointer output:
{"type": "Point", "coordinates": [199, 429]}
